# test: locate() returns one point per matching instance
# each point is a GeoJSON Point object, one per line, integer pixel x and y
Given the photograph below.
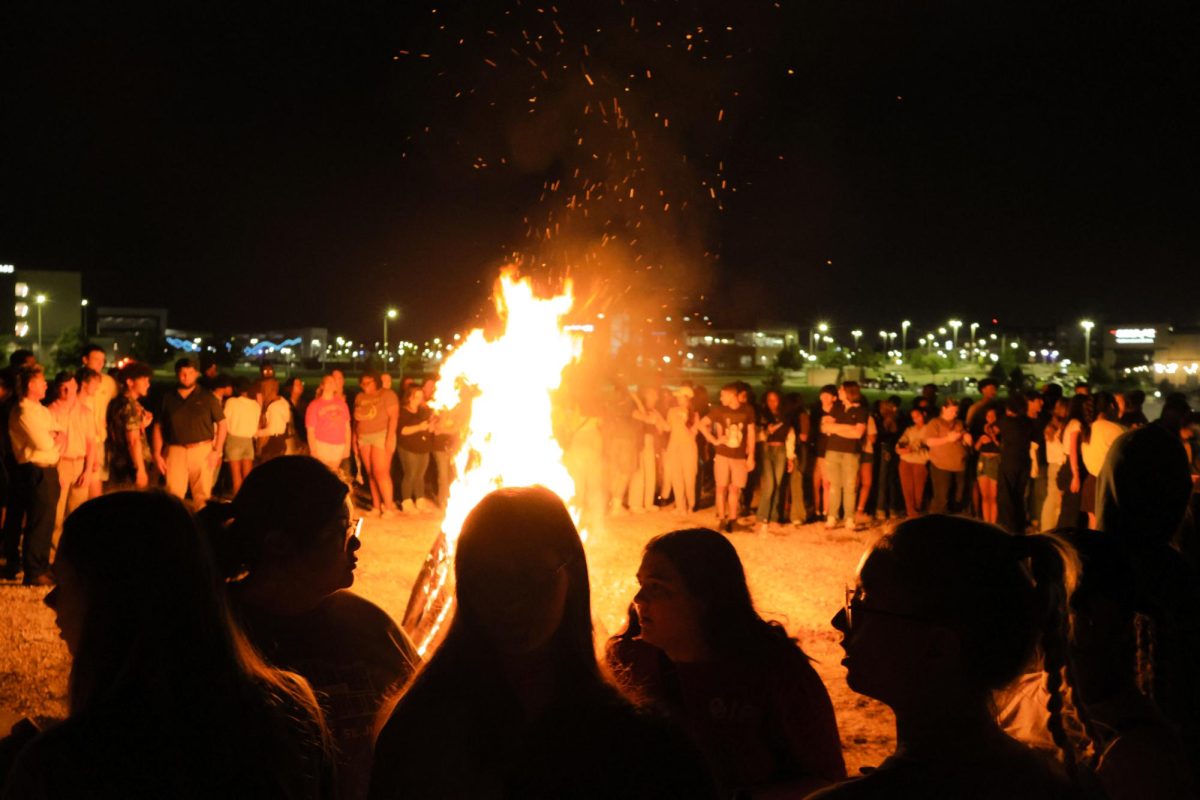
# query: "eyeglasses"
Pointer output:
{"type": "Point", "coordinates": [354, 531]}
{"type": "Point", "coordinates": [854, 606]}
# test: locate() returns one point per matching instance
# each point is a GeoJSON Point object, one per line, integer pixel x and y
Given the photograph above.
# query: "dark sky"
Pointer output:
{"type": "Point", "coordinates": [269, 164]}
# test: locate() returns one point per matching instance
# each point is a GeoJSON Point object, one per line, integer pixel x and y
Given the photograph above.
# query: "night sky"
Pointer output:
{"type": "Point", "coordinates": [275, 164]}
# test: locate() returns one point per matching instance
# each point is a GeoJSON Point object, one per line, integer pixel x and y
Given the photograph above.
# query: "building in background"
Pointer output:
{"type": "Point", "coordinates": [42, 306]}
{"type": "Point", "coordinates": [135, 333]}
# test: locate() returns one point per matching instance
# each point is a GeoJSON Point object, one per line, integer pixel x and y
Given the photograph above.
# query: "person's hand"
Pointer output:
{"type": "Point", "coordinates": [161, 463]}
{"type": "Point", "coordinates": [750, 464]}
{"type": "Point", "coordinates": [791, 465]}
{"type": "Point", "coordinates": [214, 460]}
{"type": "Point", "coordinates": [143, 480]}
{"type": "Point", "coordinates": [81, 481]}
{"type": "Point", "coordinates": [1075, 484]}
{"type": "Point", "coordinates": [954, 436]}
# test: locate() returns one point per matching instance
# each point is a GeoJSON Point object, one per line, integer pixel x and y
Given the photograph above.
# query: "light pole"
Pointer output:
{"type": "Point", "coordinates": [883, 335]}
{"type": "Point", "coordinates": [1087, 326]}
{"type": "Point", "coordinates": [41, 301]}
{"type": "Point", "coordinates": [974, 327]}
{"type": "Point", "coordinates": [955, 324]}
{"type": "Point", "coordinates": [823, 327]}
{"type": "Point", "coordinates": [904, 336]}
{"type": "Point", "coordinates": [83, 304]}
{"type": "Point", "coordinates": [390, 314]}
{"type": "Point", "coordinates": [857, 334]}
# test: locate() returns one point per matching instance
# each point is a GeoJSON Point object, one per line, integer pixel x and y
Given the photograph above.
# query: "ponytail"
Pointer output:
{"type": "Point", "coordinates": [1055, 569]}
{"type": "Point", "coordinates": [232, 551]}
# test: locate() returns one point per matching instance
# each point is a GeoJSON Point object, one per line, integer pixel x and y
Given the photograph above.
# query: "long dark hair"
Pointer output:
{"type": "Point", "coordinates": [1080, 409]}
{"type": "Point", "coordinates": [713, 574]}
{"type": "Point", "coordinates": [1005, 597]}
{"type": "Point", "coordinates": [511, 523]}
{"type": "Point", "coordinates": [157, 640]}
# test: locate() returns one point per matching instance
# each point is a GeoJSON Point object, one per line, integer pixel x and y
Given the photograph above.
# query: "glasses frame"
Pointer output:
{"type": "Point", "coordinates": [851, 606]}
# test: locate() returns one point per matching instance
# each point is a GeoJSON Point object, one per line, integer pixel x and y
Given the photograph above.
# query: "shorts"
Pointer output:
{"type": "Point", "coordinates": [729, 470]}
{"type": "Point", "coordinates": [239, 448]}
{"type": "Point", "coordinates": [1087, 500]}
{"type": "Point", "coordinates": [989, 467]}
{"type": "Point", "coordinates": [866, 458]}
{"type": "Point", "coordinates": [373, 439]}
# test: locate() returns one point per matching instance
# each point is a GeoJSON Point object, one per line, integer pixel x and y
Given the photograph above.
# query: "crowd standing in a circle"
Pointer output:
{"type": "Point", "coordinates": [1047, 649]}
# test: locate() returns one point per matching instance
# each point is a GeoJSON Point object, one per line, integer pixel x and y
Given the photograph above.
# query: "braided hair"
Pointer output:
{"type": "Point", "coordinates": [1005, 597]}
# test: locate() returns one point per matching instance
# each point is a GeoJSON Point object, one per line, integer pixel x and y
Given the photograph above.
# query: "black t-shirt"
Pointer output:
{"type": "Point", "coordinates": [354, 657]}
{"type": "Point", "coordinates": [766, 419]}
{"type": "Point", "coordinates": [419, 442]}
{"type": "Point", "coordinates": [856, 414]}
{"type": "Point", "coordinates": [730, 427]}
{"type": "Point", "coordinates": [1015, 435]}
{"type": "Point", "coordinates": [189, 420]}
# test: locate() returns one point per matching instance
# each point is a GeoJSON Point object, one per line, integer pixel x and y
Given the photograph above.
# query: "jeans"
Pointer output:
{"type": "Point", "coordinates": [798, 510]}
{"type": "Point", "coordinates": [441, 463]}
{"type": "Point", "coordinates": [888, 495]}
{"type": "Point", "coordinates": [412, 481]}
{"type": "Point", "coordinates": [912, 484]}
{"type": "Point", "coordinates": [645, 478]}
{"type": "Point", "coordinates": [1053, 503]}
{"type": "Point", "coordinates": [1010, 496]}
{"type": "Point", "coordinates": [772, 475]}
{"type": "Point", "coordinates": [33, 498]}
{"type": "Point", "coordinates": [948, 490]}
{"type": "Point", "coordinates": [841, 471]}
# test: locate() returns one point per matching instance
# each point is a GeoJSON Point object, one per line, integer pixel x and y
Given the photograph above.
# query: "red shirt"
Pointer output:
{"type": "Point", "coordinates": [757, 725]}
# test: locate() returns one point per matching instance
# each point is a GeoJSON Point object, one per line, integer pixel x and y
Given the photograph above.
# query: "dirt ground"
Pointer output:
{"type": "Point", "coordinates": [797, 577]}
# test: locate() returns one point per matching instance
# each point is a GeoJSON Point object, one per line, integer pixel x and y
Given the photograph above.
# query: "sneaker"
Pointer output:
{"type": "Point", "coordinates": [41, 580]}
{"type": "Point", "coordinates": [425, 506]}
{"type": "Point", "coordinates": [408, 507]}
{"type": "Point", "coordinates": [764, 528]}
{"type": "Point", "coordinates": [831, 523]}
{"type": "Point", "coordinates": [728, 526]}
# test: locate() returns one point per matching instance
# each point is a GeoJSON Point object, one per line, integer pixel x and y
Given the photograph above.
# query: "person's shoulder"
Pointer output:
{"type": "Point", "coordinates": [53, 754]}
{"type": "Point", "coordinates": [369, 620]}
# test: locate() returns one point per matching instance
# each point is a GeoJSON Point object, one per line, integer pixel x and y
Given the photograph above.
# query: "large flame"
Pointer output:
{"type": "Point", "coordinates": [506, 383]}
{"type": "Point", "coordinates": [509, 439]}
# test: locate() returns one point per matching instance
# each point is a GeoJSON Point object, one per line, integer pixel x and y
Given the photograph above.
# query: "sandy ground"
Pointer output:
{"type": "Point", "coordinates": [797, 577]}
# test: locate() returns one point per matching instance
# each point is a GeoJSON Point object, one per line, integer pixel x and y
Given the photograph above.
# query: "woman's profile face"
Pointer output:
{"type": "Point", "coordinates": [329, 562]}
{"type": "Point", "coordinates": [670, 616]}
{"type": "Point", "coordinates": [67, 601]}
{"type": "Point", "coordinates": [917, 417]}
{"type": "Point", "coordinates": [882, 641]}
{"type": "Point", "coordinates": [518, 598]}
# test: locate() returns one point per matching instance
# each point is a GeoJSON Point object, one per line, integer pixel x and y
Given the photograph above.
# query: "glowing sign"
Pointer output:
{"type": "Point", "coordinates": [1134, 335]}
{"type": "Point", "coordinates": [7, 269]}
{"type": "Point", "coordinates": [261, 348]}
{"type": "Point", "coordinates": [183, 344]}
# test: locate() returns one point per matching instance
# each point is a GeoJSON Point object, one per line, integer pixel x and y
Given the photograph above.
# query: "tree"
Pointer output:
{"type": "Point", "coordinates": [68, 348]}
{"type": "Point", "coordinates": [998, 373]}
{"type": "Point", "coordinates": [1097, 375]}
{"type": "Point", "coordinates": [788, 358]}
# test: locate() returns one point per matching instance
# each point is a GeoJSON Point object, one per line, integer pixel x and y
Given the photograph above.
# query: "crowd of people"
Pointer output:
{"type": "Point", "coordinates": [1027, 462]}
{"type": "Point", "coordinates": [223, 654]}
{"type": "Point", "coordinates": [1047, 649]}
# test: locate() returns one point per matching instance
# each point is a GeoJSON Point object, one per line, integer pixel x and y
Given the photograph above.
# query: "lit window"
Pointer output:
{"type": "Point", "coordinates": [21, 309]}
{"type": "Point", "coordinates": [21, 290]}
{"type": "Point", "coordinates": [22, 330]}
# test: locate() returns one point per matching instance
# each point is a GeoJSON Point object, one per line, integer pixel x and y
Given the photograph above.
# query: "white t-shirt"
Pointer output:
{"type": "Point", "coordinates": [278, 415]}
{"type": "Point", "coordinates": [1095, 450]}
{"type": "Point", "coordinates": [241, 414]}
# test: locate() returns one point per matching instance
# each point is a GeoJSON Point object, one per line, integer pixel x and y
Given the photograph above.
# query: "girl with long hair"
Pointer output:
{"type": "Point", "coordinates": [327, 424]}
{"type": "Point", "coordinates": [376, 411]}
{"type": "Point", "coordinates": [415, 442]}
{"type": "Point", "coordinates": [681, 459]}
{"type": "Point", "coordinates": [946, 612]}
{"type": "Point", "coordinates": [695, 645]}
{"type": "Point", "coordinates": [988, 448]}
{"type": "Point", "coordinates": [914, 462]}
{"type": "Point", "coordinates": [288, 547]}
{"type": "Point", "coordinates": [167, 699]}
{"type": "Point", "coordinates": [513, 702]}
{"type": "Point", "coordinates": [1074, 470]}
{"type": "Point", "coordinates": [773, 433]}
{"type": "Point", "coordinates": [1056, 458]}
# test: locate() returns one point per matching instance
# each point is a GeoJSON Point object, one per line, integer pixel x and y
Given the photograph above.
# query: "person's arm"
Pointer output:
{"type": "Point", "coordinates": [706, 429]}
{"type": "Point", "coordinates": [789, 449]}
{"type": "Point", "coordinates": [749, 442]}
{"type": "Point", "coordinates": [92, 443]}
{"type": "Point", "coordinates": [805, 426]}
{"type": "Point", "coordinates": [41, 437]}
{"type": "Point", "coordinates": [393, 415]}
{"type": "Point", "coordinates": [156, 447]}
{"type": "Point", "coordinates": [417, 427]}
{"type": "Point", "coordinates": [1073, 457]}
{"type": "Point", "coordinates": [218, 445]}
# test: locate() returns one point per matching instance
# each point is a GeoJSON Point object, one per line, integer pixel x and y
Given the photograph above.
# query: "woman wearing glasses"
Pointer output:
{"type": "Point", "coordinates": [289, 545]}
{"type": "Point", "coordinates": [948, 611]}
{"type": "Point", "coordinates": [740, 686]}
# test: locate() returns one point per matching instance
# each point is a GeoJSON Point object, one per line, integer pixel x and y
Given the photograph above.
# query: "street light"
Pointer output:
{"type": "Point", "coordinates": [1087, 326]}
{"type": "Point", "coordinates": [955, 324]}
{"type": "Point", "coordinates": [857, 334]}
{"type": "Point", "coordinates": [904, 335]}
{"type": "Point", "coordinates": [814, 342]}
{"type": "Point", "coordinates": [883, 335]}
{"type": "Point", "coordinates": [390, 314]}
{"type": "Point", "coordinates": [41, 301]}
{"type": "Point", "coordinates": [83, 304]}
{"type": "Point", "coordinates": [974, 327]}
